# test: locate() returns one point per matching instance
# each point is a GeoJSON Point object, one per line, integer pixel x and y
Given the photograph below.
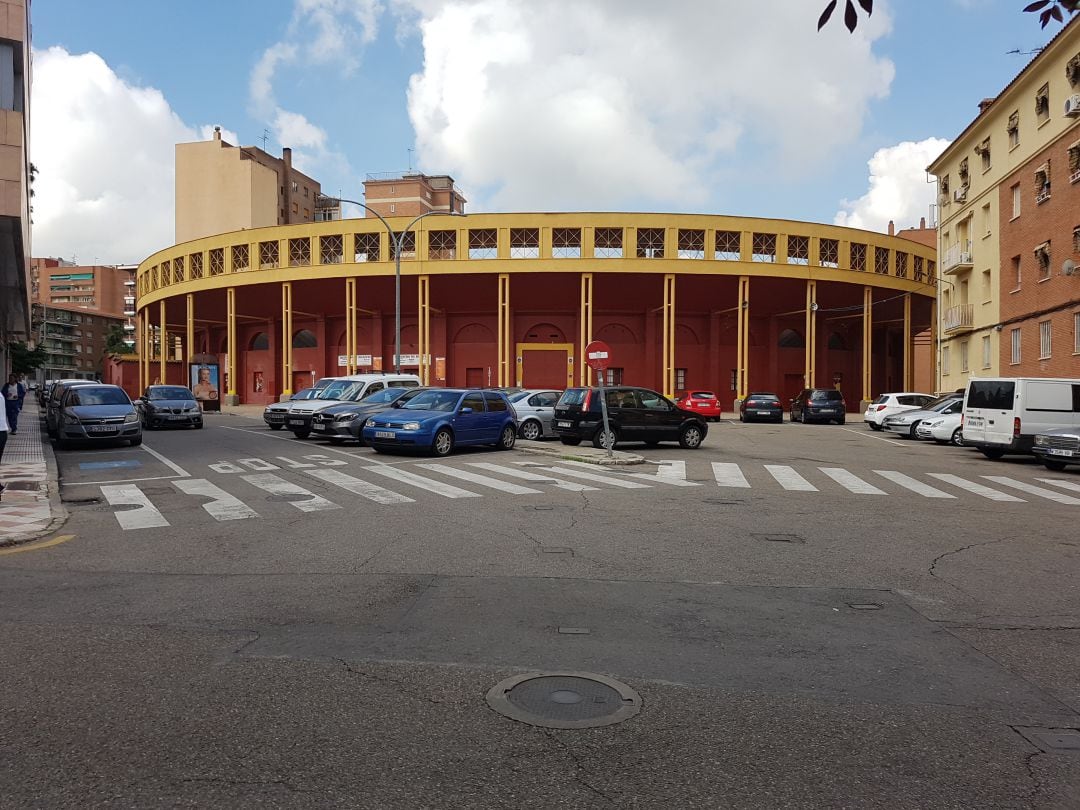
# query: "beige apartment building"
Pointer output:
{"type": "Point", "coordinates": [979, 196]}
{"type": "Point", "coordinates": [222, 188]}
{"type": "Point", "coordinates": [16, 174]}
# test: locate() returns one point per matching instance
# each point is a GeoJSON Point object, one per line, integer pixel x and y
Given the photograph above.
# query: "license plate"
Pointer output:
{"type": "Point", "coordinates": [974, 421]}
{"type": "Point", "coordinates": [296, 422]}
{"type": "Point", "coordinates": [384, 434]}
{"type": "Point", "coordinates": [178, 417]}
{"type": "Point", "coordinates": [562, 424]}
{"type": "Point", "coordinates": [275, 417]}
{"type": "Point", "coordinates": [101, 428]}
{"type": "Point", "coordinates": [318, 426]}
{"type": "Point", "coordinates": [1053, 451]}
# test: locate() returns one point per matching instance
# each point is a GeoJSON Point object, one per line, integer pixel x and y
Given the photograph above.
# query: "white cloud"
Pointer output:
{"type": "Point", "coordinates": [104, 150]}
{"type": "Point", "coordinates": [899, 188]}
{"type": "Point", "coordinates": [563, 104]}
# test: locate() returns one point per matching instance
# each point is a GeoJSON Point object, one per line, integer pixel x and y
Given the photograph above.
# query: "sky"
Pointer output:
{"type": "Point", "coordinates": [724, 107]}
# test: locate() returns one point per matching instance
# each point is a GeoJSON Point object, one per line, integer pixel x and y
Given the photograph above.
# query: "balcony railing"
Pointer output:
{"type": "Point", "coordinates": [957, 257]}
{"type": "Point", "coordinates": [960, 318]}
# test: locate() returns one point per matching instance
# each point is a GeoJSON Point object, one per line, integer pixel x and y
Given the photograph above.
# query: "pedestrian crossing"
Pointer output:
{"type": "Point", "coordinates": [401, 485]}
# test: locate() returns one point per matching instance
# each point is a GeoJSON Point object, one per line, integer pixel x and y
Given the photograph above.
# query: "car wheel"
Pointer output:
{"type": "Point", "coordinates": [136, 441]}
{"type": "Point", "coordinates": [873, 426]}
{"type": "Point", "coordinates": [507, 438]}
{"type": "Point", "coordinates": [570, 441]}
{"type": "Point", "coordinates": [443, 443]}
{"type": "Point", "coordinates": [1054, 466]}
{"type": "Point", "coordinates": [690, 437]}
{"type": "Point", "coordinates": [531, 430]}
{"type": "Point", "coordinates": [602, 440]}
{"type": "Point", "coordinates": [911, 432]}
{"type": "Point", "coordinates": [992, 453]}
{"type": "Point", "coordinates": [957, 438]}
{"type": "Point", "coordinates": [276, 427]}
{"type": "Point", "coordinates": [301, 434]}
{"type": "Point", "coordinates": [742, 418]}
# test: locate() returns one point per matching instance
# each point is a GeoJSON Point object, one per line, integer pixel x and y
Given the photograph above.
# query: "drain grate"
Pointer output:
{"type": "Point", "coordinates": [564, 700]}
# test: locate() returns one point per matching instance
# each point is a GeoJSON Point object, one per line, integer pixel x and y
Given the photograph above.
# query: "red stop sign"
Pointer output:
{"type": "Point", "coordinates": [598, 355]}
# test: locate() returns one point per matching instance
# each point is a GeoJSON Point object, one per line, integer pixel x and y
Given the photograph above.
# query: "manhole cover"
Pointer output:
{"type": "Point", "coordinates": [564, 700]}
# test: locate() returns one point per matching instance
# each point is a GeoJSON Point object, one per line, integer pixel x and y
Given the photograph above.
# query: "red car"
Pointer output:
{"type": "Point", "coordinates": [704, 403]}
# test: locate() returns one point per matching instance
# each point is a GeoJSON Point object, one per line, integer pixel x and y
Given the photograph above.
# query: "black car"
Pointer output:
{"type": "Point", "coordinates": [819, 405]}
{"type": "Point", "coordinates": [761, 407]}
{"type": "Point", "coordinates": [634, 414]}
{"type": "Point", "coordinates": [168, 406]}
{"type": "Point", "coordinates": [340, 423]}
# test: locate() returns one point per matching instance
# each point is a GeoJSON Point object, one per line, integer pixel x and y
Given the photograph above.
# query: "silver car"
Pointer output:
{"type": "Point", "coordinates": [535, 410]}
{"type": "Point", "coordinates": [906, 423]}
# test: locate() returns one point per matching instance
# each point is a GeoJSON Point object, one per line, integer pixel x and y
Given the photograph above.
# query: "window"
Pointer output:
{"type": "Point", "coordinates": [331, 249]}
{"type": "Point", "coordinates": [474, 401]}
{"type": "Point", "coordinates": [986, 351]}
{"type": "Point", "coordinates": [858, 256]}
{"type": "Point", "coordinates": [986, 219]}
{"type": "Point", "coordinates": [1042, 183]}
{"type": "Point", "coordinates": [1017, 272]}
{"type": "Point", "coordinates": [366, 247]}
{"type": "Point", "coordinates": [408, 245]}
{"type": "Point", "coordinates": [566, 243]}
{"type": "Point", "coordinates": [964, 356]}
{"type": "Point", "coordinates": [650, 243]}
{"type": "Point", "coordinates": [881, 260]}
{"type": "Point", "coordinates": [691, 244]}
{"type": "Point", "coordinates": [1072, 71]}
{"type": "Point", "coordinates": [608, 243]}
{"type": "Point", "coordinates": [945, 361]}
{"type": "Point", "coordinates": [1016, 201]}
{"type": "Point", "coordinates": [393, 208]}
{"type": "Point", "coordinates": [1076, 333]}
{"type": "Point", "coordinates": [483, 243]}
{"type": "Point", "coordinates": [295, 186]}
{"type": "Point", "coordinates": [1042, 104]}
{"type": "Point", "coordinates": [987, 290]}
{"type": "Point", "coordinates": [1042, 258]}
{"type": "Point", "coordinates": [764, 247]}
{"type": "Point", "coordinates": [901, 264]}
{"type": "Point", "coordinates": [1013, 129]}
{"type": "Point", "coordinates": [798, 250]}
{"type": "Point", "coordinates": [442, 244]}
{"type": "Point", "coordinates": [1076, 239]}
{"type": "Point", "coordinates": [943, 183]}
{"type": "Point", "coordinates": [524, 243]}
{"type": "Point", "coordinates": [1014, 337]}
{"type": "Point", "coordinates": [680, 379]}
{"type": "Point", "coordinates": [614, 376]}
{"type": "Point", "coordinates": [495, 402]}
{"type": "Point", "coordinates": [305, 339]}
{"type": "Point", "coordinates": [268, 256]}
{"type": "Point", "coordinates": [920, 273]}
{"type": "Point", "coordinates": [727, 246]}
{"type": "Point", "coordinates": [1074, 162]}
{"type": "Point", "coordinates": [299, 252]}
{"type": "Point", "coordinates": [296, 208]}
{"type": "Point", "coordinates": [1045, 340]}
{"type": "Point", "coordinates": [964, 177]}
{"type": "Point", "coordinates": [983, 151]}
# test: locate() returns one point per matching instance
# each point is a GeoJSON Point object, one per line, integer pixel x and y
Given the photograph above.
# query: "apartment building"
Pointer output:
{"type": "Point", "coordinates": [74, 339]}
{"type": "Point", "coordinates": [105, 289]}
{"type": "Point", "coordinates": [1003, 236]}
{"type": "Point", "coordinates": [16, 174]}
{"type": "Point", "coordinates": [410, 195]}
{"type": "Point", "coordinates": [222, 188]}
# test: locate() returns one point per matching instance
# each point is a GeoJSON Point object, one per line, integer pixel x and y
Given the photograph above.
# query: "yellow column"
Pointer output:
{"type": "Point", "coordinates": [669, 336]}
{"type": "Point", "coordinates": [189, 343]}
{"type": "Point", "coordinates": [163, 349]}
{"type": "Point", "coordinates": [585, 321]}
{"type": "Point", "coordinates": [140, 348]}
{"type": "Point", "coordinates": [505, 344]}
{"type": "Point", "coordinates": [909, 382]}
{"type": "Point", "coordinates": [286, 337]}
{"type": "Point", "coordinates": [810, 375]}
{"type": "Point", "coordinates": [424, 327]}
{"type": "Point", "coordinates": [743, 343]}
{"type": "Point", "coordinates": [350, 326]}
{"type": "Point", "coordinates": [867, 336]}
{"type": "Point", "coordinates": [231, 338]}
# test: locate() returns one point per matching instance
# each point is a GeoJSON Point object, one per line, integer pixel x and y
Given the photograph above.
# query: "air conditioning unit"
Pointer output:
{"type": "Point", "coordinates": [960, 195]}
{"type": "Point", "coordinates": [1072, 105]}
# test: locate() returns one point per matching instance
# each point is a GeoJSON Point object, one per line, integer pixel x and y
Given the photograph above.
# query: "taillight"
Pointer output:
{"type": "Point", "coordinates": [587, 400]}
{"type": "Point", "coordinates": [882, 407]}
{"type": "Point", "coordinates": [1016, 427]}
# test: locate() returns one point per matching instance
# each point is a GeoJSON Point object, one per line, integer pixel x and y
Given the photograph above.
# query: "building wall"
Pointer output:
{"type": "Point", "coordinates": [74, 339]}
{"type": "Point", "coordinates": [97, 288]}
{"type": "Point", "coordinates": [410, 195]}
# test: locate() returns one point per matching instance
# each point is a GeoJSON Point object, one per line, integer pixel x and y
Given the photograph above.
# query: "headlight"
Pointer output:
{"type": "Point", "coordinates": [935, 424]}
{"type": "Point", "coordinates": [1040, 440]}
{"type": "Point", "coordinates": [345, 417]}
{"type": "Point", "coordinates": [411, 426]}
{"type": "Point", "coordinates": [131, 417]}
{"type": "Point", "coordinates": [70, 419]}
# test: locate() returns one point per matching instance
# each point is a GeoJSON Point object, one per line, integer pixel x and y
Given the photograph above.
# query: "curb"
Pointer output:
{"type": "Point", "coordinates": [618, 459]}
{"type": "Point", "coordinates": [57, 510]}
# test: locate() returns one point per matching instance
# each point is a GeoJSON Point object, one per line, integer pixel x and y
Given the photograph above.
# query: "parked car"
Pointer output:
{"type": "Point", "coordinates": [535, 410]}
{"type": "Point", "coordinates": [43, 392]}
{"type": "Point", "coordinates": [634, 415]}
{"type": "Point", "coordinates": [1057, 448]}
{"type": "Point", "coordinates": [819, 405]}
{"type": "Point", "coordinates": [888, 404]}
{"type": "Point", "coordinates": [440, 419]}
{"type": "Point", "coordinates": [52, 403]}
{"type": "Point", "coordinates": [1004, 414]}
{"type": "Point", "coordinates": [344, 421]}
{"type": "Point", "coordinates": [344, 389]}
{"type": "Point", "coordinates": [95, 413]}
{"type": "Point", "coordinates": [943, 429]}
{"type": "Point", "coordinates": [168, 406]}
{"type": "Point", "coordinates": [274, 413]}
{"type": "Point", "coordinates": [704, 403]}
{"type": "Point", "coordinates": [906, 423]}
{"type": "Point", "coordinates": [761, 407]}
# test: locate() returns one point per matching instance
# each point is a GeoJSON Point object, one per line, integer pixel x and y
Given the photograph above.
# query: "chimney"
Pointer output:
{"type": "Point", "coordinates": [922, 223]}
{"type": "Point", "coordinates": [892, 228]}
{"type": "Point", "coordinates": [986, 102]}
{"type": "Point", "coordinates": [286, 156]}
{"type": "Point", "coordinates": [217, 133]}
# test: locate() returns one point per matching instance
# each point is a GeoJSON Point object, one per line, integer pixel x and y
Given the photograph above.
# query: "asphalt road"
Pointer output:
{"type": "Point", "coordinates": [812, 616]}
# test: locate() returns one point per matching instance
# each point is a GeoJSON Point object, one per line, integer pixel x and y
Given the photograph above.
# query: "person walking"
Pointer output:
{"type": "Point", "coordinates": [3, 441]}
{"type": "Point", "coordinates": [13, 392]}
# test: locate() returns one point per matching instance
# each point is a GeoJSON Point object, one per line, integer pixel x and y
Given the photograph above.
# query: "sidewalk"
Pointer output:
{"type": "Point", "coordinates": [30, 506]}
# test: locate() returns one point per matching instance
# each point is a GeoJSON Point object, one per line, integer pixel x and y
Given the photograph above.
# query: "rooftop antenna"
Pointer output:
{"type": "Point", "coordinates": [1019, 52]}
{"type": "Point", "coordinates": [410, 151]}
{"type": "Point", "coordinates": [265, 137]}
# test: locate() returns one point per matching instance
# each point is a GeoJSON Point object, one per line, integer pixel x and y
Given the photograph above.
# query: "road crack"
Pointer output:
{"type": "Point", "coordinates": [399, 686]}
{"type": "Point", "coordinates": [580, 771]}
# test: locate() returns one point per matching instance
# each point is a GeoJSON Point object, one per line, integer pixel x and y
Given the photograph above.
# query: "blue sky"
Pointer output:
{"type": "Point", "coordinates": [736, 108]}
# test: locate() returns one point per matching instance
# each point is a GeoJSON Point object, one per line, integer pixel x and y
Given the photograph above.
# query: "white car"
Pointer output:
{"type": "Point", "coordinates": [942, 429]}
{"type": "Point", "coordinates": [888, 404]}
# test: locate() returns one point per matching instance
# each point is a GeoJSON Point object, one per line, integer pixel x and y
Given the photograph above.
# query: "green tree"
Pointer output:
{"type": "Point", "coordinates": [1046, 9]}
{"type": "Point", "coordinates": [116, 340]}
{"type": "Point", "coordinates": [24, 360]}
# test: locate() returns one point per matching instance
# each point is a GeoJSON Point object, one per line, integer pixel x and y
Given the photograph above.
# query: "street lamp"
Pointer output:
{"type": "Point", "coordinates": [396, 241]}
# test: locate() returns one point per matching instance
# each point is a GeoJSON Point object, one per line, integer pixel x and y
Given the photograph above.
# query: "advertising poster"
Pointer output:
{"type": "Point", "coordinates": [205, 384]}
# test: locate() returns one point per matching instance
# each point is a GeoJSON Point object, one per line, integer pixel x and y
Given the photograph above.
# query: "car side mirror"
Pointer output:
{"type": "Point", "coordinates": [466, 409]}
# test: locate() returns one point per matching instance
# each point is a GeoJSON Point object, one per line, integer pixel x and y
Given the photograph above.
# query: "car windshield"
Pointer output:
{"type": "Point", "coordinates": [520, 395]}
{"type": "Point", "coordinates": [941, 403]}
{"type": "Point", "coordinates": [384, 396]}
{"type": "Point", "coordinates": [340, 389]}
{"type": "Point", "coordinates": [573, 396]}
{"type": "Point", "coordinates": [97, 396]}
{"type": "Point", "coordinates": [433, 401]}
{"type": "Point", "coordinates": [765, 397]}
{"type": "Point", "coordinates": [171, 393]}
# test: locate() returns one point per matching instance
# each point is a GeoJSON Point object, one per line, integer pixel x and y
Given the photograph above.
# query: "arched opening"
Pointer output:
{"type": "Point", "coordinates": [473, 356]}
{"type": "Point", "coordinates": [544, 333]}
{"type": "Point", "coordinates": [616, 333]}
{"type": "Point", "coordinates": [791, 339]}
{"type": "Point", "coordinates": [261, 342]}
{"type": "Point", "coordinates": [305, 339]}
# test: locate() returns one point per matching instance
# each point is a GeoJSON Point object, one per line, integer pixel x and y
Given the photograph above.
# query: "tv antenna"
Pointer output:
{"type": "Point", "coordinates": [265, 137]}
{"type": "Point", "coordinates": [1019, 52]}
{"type": "Point", "coordinates": [410, 151]}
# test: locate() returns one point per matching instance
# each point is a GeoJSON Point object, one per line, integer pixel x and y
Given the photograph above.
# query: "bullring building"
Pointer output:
{"type": "Point", "coordinates": [685, 301]}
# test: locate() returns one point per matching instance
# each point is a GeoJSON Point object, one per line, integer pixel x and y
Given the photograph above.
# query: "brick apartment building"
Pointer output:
{"type": "Point", "coordinates": [99, 288]}
{"type": "Point", "coordinates": [74, 339]}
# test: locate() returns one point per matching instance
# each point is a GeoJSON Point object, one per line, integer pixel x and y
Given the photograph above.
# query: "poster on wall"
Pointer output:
{"type": "Point", "coordinates": [258, 382]}
{"type": "Point", "coordinates": [205, 385]}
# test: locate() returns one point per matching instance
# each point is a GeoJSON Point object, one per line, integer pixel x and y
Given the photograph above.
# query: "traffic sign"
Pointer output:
{"type": "Point", "coordinates": [598, 355]}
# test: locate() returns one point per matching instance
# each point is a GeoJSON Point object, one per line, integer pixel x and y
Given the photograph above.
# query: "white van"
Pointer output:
{"type": "Point", "coordinates": [1003, 414]}
{"type": "Point", "coordinates": [351, 388]}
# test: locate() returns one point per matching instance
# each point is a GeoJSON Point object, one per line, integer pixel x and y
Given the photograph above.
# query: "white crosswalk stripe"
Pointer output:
{"type": "Point", "coordinates": [421, 482]}
{"type": "Point", "coordinates": [914, 485]}
{"type": "Point", "coordinates": [669, 473]}
{"type": "Point", "coordinates": [145, 516]}
{"type": "Point", "coordinates": [976, 488]}
{"type": "Point", "coordinates": [729, 475]}
{"type": "Point", "coordinates": [789, 479]}
{"type": "Point", "coordinates": [1057, 482]}
{"type": "Point", "coordinates": [480, 480]}
{"type": "Point", "coordinates": [524, 475]}
{"type": "Point", "coordinates": [610, 480]}
{"type": "Point", "coordinates": [294, 494]}
{"type": "Point", "coordinates": [851, 482]}
{"type": "Point", "coordinates": [222, 505]}
{"type": "Point", "coordinates": [1031, 489]}
{"type": "Point", "coordinates": [357, 486]}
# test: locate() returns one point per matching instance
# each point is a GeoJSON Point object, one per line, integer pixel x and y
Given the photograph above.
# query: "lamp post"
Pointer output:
{"type": "Point", "coordinates": [396, 242]}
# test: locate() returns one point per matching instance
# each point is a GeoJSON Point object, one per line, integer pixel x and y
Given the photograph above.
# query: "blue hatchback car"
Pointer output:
{"type": "Point", "coordinates": [441, 419]}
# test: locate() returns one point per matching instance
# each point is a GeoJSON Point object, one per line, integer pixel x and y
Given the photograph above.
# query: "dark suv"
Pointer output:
{"type": "Point", "coordinates": [634, 414]}
{"type": "Point", "coordinates": [818, 405]}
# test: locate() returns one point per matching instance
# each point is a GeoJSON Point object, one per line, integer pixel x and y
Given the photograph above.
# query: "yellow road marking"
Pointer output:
{"type": "Point", "coordinates": [63, 538]}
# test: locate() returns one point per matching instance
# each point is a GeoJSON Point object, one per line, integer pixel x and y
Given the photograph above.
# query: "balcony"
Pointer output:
{"type": "Point", "coordinates": [61, 336]}
{"type": "Point", "coordinates": [957, 257]}
{"type": "Point", "coordinates": [960, 318]}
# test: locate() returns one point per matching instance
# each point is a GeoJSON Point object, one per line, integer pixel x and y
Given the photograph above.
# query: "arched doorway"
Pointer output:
{"type": "Point", "coordinates": [473, 356]}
